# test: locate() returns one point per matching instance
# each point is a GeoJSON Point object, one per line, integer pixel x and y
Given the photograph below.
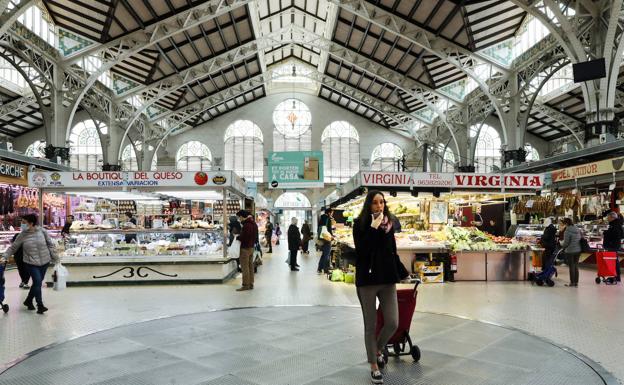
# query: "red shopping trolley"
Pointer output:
{"type": "Point", "coordinates": [401, 342]}
{"type": "Point", "coordinates": [606, 261]}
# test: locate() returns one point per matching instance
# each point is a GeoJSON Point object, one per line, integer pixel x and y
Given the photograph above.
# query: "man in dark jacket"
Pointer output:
{"type": "Point", "coordinates": [247, 238]}
{"type": "Point", "coordinates": [294, 243]}
{"type": "Point", "coordinates": [612, 238]}
{"type": "Point", "coordinates": [548, 242]}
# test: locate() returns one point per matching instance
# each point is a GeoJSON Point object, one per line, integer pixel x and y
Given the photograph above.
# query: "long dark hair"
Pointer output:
{"type": "Point", "coordinates": [364, 220]}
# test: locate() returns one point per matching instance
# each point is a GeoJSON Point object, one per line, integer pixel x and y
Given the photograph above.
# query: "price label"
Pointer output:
{"type": "Point", "coordinates": [558, 201]}
{"type": "Point", "coordinates": [529, 203]}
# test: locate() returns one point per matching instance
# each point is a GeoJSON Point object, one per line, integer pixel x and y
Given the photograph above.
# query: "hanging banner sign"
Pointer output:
{"type": "Point", "coordinates": [134, 179]}
{"type": "Point", "coordinates": [296, 169]}
{"type": "Point", "coordinates": [448, 180]}
{"type": "Point", "coordinates": [404, 179]}
{"type": "Point", "coordinates": [600, 167]}
{"type": "Point", "coordinates": [498, 181]}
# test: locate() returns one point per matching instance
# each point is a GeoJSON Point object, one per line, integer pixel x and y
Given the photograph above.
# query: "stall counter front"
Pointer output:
{"type": "Point", "coordinates": [192, 251]}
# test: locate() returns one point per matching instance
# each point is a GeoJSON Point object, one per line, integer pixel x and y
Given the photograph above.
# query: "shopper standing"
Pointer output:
{"type": "Point", "coordinates": [548, 242]}
{"type": "Point", "coordinates": [38, 250]}
{"type": "Point", "coordinates": [571, 247]}
{"type": "Point", "coordinates": [131, 224]}
{"type": "Point", "coordinates": [378, 270]}
{"type": "Point", "coordinates": [307, 236]}
{"type": "Point", "coordinates": [22, 269]}
{"type": "Point", "coordinates": [278, 233]}
{"type": "Point", "coordinates": [325, 220]}
{"type": "Point", "coordinates": [612, 238]}
{"type": "Point", "coordinates": [294, 243]}
{"type": "Point", "coordinates": [268, 235]}
{"type": "Point", "coordinates": [247, 238]}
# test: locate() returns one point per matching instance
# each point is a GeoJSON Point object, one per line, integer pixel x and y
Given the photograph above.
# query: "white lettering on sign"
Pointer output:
{"type": "Point", "coordinates": [497, 181]}
{"type": "Point", "coordinates": [406, 179]}
{"type": "Point", "coordinates": [12, 170]}
{"type": "Point", "coordinates": [509, 181]}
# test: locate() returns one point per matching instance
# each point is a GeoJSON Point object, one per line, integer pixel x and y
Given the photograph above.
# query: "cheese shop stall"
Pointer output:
{"type": "Point", "coordinates": [452, 225]}
{"type": "Point", "coordinates": [141, 227]}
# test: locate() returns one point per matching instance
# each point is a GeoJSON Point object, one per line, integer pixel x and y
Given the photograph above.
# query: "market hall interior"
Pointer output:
{"type": "Point", "coordinates": [160, 161]}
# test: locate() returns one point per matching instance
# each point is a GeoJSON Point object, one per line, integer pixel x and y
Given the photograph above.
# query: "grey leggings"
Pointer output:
{"type": "Point", "coordinates": [388, 303]}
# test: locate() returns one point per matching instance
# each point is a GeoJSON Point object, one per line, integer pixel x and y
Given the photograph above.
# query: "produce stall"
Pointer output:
{"type": "Point", "coordinates": [442, 221]}
{"type": "Point", "coordinates": [176, 235]}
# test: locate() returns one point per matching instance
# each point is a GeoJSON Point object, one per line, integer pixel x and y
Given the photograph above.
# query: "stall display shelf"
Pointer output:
{"type": "Point", "coordinates": [147, 231]}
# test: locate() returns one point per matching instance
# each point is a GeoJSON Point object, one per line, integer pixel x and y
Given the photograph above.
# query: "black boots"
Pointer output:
{"type": "Point", "coordinates": [29, 304]}
{"type": "Point", "coordinates": [41, 309]}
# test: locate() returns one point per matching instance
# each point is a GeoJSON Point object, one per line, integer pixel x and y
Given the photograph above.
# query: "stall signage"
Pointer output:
{"type": "Point", "coordinates": [296, 169]}
{"type": "Point", "coordinates": [12, 170]}
{"type": "Point", "coordinates": [402, 179]}
{"type": "Point", "coordinates": [132, 179]}
{"type": "Point", "coordinates": [590, 169]}
{"type": "Point", "coordinates": [497, 181]}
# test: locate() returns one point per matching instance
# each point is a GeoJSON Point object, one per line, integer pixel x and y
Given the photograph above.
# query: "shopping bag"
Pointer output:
{"type": "Point", "coordinates": [325, 235]}
{"type": "Point", "coordinates": [337, 275]}
{"type": "Point", "coordinates": [59, 277]}
{"type": "Point", "coordinates": [234, 249]}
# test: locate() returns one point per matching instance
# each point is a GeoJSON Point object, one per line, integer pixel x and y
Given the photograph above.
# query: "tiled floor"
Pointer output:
{"type": "Point", "coordinates": [589, 319]}
{"type": "Point", "coordinates": [297, 345]}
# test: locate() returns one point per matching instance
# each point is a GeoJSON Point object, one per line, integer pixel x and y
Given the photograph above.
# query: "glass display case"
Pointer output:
{"type": "Point", "coordinates": [161, 243]}
{"type": "Point", "coordinates": [530, 234]}
{"type": "Point", "coordinates": [6, 238]}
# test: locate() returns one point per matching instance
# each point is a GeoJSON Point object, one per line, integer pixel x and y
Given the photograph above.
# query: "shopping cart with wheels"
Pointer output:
{"type": "Point", "coordinates": [606, 260]}
{"type": "Point", "coordinates": [546, 276]}
{"type": "Point", "coordinates": [5, 307]}
{"type": "Point", "coordinates": [401, 342]}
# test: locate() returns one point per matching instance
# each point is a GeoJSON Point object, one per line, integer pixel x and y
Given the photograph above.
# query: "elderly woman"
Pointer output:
{"type": "Point", "coordinates": [294, 243]}
{"type": "Point", "coordinates": [38, 250]}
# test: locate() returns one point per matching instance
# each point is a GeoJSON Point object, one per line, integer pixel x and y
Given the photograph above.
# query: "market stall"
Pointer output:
{"type": "Point", "coordinates": [444, 220]}
{"type": "Point", "coordinates": [174, 231]}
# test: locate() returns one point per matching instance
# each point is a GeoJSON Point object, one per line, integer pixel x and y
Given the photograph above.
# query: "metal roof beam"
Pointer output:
{"type": "Point", "coordinates": [17, 104]}
{"type": "Point", "coordinates": [9, 16]}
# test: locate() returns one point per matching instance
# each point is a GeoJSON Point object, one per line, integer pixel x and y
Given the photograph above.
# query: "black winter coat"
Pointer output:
{"type": "Point", "coordinates": [294, 238]}
{"type": "Point", "coordinates": [549, 238]}
{"type": "Point", "coordinates": [377, 261]}
{"type": "Point", "coordinates": [612, 236]}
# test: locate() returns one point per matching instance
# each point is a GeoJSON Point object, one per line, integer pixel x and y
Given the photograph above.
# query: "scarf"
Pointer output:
{"type": "Point", "coordinates": [386, 225]}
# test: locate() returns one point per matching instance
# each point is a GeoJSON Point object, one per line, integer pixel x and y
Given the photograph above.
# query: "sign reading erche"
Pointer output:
{"type": "Point", "coordinates": [13, 173]}
{"type": "Point", "coordinates": [130, 179]}
{"type": "Point", "coordinates": [448, 180]}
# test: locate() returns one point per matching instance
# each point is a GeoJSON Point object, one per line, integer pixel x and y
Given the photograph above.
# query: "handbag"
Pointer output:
{"type": "Point", "coordinates": [234, 249]}
{"type": "Point", "coordinates": [325, 234]}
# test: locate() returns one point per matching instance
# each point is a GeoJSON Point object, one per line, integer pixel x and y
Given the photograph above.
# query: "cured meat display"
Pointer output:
{"type": "Point", "coordinates": [16, 201]}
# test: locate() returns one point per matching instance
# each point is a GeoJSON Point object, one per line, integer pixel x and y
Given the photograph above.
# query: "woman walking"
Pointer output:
{"type": "Point", "coordinates": [38, 250]}
{"type": "Point", "coordinates": [378, 270]}
{"type": "Point", "coordinates": [294, 243]}
{"type": "Point", "coordinates": [571, 247]}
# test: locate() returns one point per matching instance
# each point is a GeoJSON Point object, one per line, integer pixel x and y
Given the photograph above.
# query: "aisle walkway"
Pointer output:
{"type": "Point", "coordinates": [589, 319]}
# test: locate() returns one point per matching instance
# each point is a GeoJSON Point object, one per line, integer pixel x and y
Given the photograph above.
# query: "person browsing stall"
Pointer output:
{"type": "Point", "coordinates": [38, 250]}
{"type": "Point", "coordinates": [571, 247]}
{"type": "Point", "coordinates": [378, 270]}
{"type": "Point", "coordinates": [130, 224]}
{"type": "Point", "coordinates": [612, 238]}
{"type": "Point", "coordinates": [247, 238]}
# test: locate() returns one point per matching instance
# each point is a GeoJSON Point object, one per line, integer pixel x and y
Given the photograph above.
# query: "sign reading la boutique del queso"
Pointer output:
{"type": "Point", "coordinates": [129, 179]}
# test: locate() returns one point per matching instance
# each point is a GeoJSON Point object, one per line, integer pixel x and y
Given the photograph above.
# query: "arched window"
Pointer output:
{"type": "Point", "coordinates": [243, 150]}
{"type": "Point", "coordinates": [292, 120]}
{"type": "Point", "coordinates": [487, 152]}
{"type": "Point", "coordinates": [193, 156]}
{"type": "Point", "coordinates": [36, 150]}
{"type": "Point", "coordinates": [385, 157]}
{"type": "Point", "coordinates": [293, 200]}
{"type": "Point", "coordinates": [532, 154]}
{"type": "Point", "coordinates": [340, 142]}
{"type": "Point", "coordinates": [129, 160]}
{"type": "Point", "coordinates": [448, 159]}
{"type": "Point", "coordinates": [85, 148]}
